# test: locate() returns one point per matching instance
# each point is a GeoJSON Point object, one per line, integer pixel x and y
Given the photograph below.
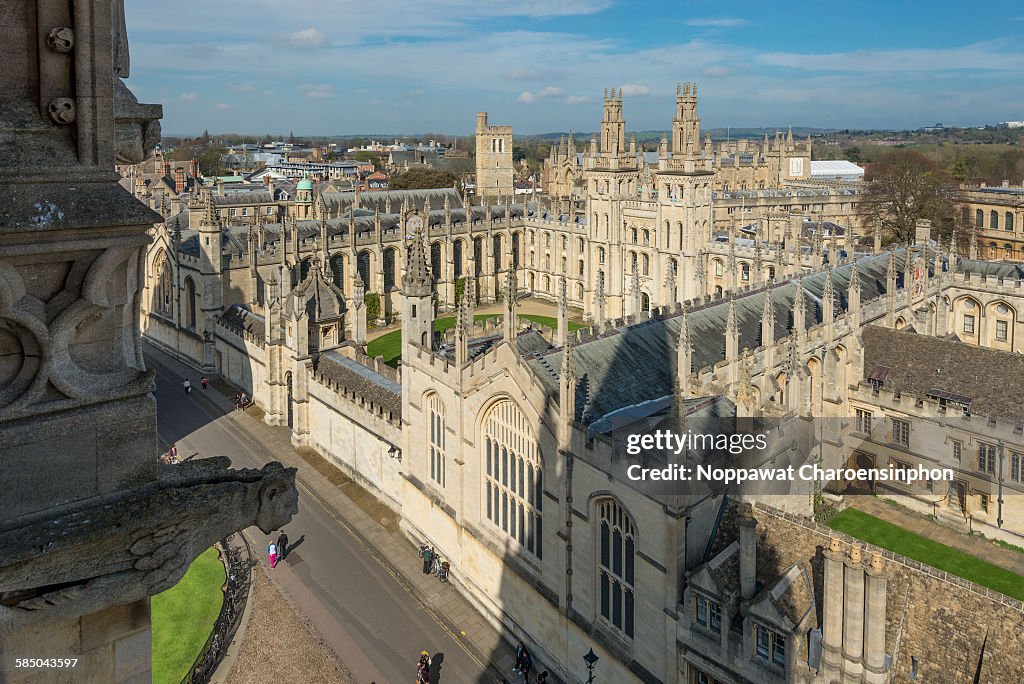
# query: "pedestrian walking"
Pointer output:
{"type": "Point", "coordinates": [423, 668]}
{"type": "Point", "coordinates": [428, 555]}
{"type": "Point", "coordinates": [520, 650]}
{"type": "Point", "coordinates": [242, 401]}
{"type": "Point", "coordinates": [172, 454]}
{"type": "Point", "coordinates": [282, 544]}
{"type": "Point", "coordinates": [542, 678]}
{"type": "Point", "coordinates": [188, 386]}
{"type": "Point", "coordinates": [526, 666]}
{"type": "Point", "coordinates": [272, 554]}
{"type": "Point", "coordinates": [203, 381]}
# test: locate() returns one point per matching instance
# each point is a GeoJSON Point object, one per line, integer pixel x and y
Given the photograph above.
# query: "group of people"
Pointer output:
{"type": "Point", "coordinates": [240, 401]}
{"type": "Point", "coordinates": [276, 552]}
{"type": "Point", "coordinates": [187, 385]}
{"type": "Point", "coordinates": [524, 665]}
{"type": "Point", "coordinates": [171, 456]}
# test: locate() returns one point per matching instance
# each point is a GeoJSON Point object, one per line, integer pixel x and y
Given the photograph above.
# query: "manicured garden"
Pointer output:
{"type": "Point", "coordinates": [183, 618]}
{"type": "Point", "coordinates": [389, 345]}
{"type": "Point", "coordinates": [881, 533]}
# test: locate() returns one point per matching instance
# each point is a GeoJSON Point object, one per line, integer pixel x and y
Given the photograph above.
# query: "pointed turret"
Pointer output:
{"type": "Point", "coordinates": [768, 319]}
{"type": "Point", "coordinates": [511, 302]}
{"type": "Point", "coordinates": [563, 311]}
{"type": "Point", "coordinates": [828, 298]}
{"type": "Point", "coordinates": [732, 333]}
{"type": "Point", "coordinates": [464, 325]}
{"type": "Point", "coordinates": [684, 356]}
{"type": "Point", "coordinates": [853, 295]}
{"type": "Point", "coordinates": [566, 397]}
{"type": "Point", "coordinates": [799, 312]}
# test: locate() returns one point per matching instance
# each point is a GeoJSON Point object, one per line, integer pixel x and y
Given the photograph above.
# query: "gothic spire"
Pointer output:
{"type": "Point", "coordinates": [416, 280]}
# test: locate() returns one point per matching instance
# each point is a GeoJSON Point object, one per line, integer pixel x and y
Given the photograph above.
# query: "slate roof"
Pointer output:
{"type": "Point", "coordinates": [361, 380]}
{"type": "Point", "coordinates": [996, 269]}
{"type": "Point", "coordinates": [921, 364]}
{"type": "Point", "coordinates": [637, 364]}
{"type": "Point", "coordinates": [241, 319]}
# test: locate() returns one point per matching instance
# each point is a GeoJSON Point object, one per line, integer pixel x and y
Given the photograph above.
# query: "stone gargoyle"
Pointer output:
{"type": "Point", "coordinates": [136, 543]}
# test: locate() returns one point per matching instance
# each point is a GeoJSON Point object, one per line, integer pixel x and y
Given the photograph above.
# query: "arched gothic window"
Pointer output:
{"type": "Point", "coordinates": [979, 218]}
{"type": "Point", "coordinates": [436, 438]}
{"type": "Point", "coordinates": [647, 236]}
{"type": "Point", "coordinates": [647, 265]}
{"type": "Point", "coordinates": [457, 258]}
{"type": "Point", "coordinates": [337, 263]}
{"type": "Point", "coordinates": [190, 303]}
{"type": "Point", "coordinates": [993, 220]}
{"type": "Point", "coordinates": [632, 262]}
{"type": "Point", "coordinates": [600, 255]}
{"type": "Point", "coordinates": [1008, 223]}
{"type": "Point", "coordinates": [389, 269]}
{"type": "Point", "coordinates": [435, 261]}
{"type": "Point", "coordinates": [513, 484]}
{"type": "Point", "coordinates": [744, 271]}
{"type": "Point", "coordinates": [616, 555]}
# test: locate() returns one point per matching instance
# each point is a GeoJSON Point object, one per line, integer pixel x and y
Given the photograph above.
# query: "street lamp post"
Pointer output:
{"type": "Point", "coordinates": [591, 659]}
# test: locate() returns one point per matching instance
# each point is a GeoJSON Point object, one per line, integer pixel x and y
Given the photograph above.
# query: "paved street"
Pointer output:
{"type": "Point", "coordinates": [363, 609]}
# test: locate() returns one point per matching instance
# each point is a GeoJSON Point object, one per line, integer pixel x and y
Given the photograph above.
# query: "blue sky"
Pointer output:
{"type": "Point", "coordinates": [322, 67]}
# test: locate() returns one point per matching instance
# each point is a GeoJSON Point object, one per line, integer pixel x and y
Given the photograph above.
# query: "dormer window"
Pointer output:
{"type": "Point", "coordinates": [769, 645]}
{"type": "Point", "coordinates": [707, 613]}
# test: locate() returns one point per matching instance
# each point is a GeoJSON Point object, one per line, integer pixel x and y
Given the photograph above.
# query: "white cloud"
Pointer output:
{"type": "Point", "coordinates": [246, 87]}
{"type": "Point", "coordinates": [988, 56]}
{"type": "Point", "coordinates": [268, 93]}
{"type": "Point", "coordinates": [716, 71]}
{"type": "Point", "coordinates": [577, 99]}
{"type": "Point", "coordinates": [318, 91]}
{"type": "Point", "coordinates": [222, 106]}
{"type": "Point", "coordinates": [632, 89]}
{"type": "Point", "coordinates": [188, 97]}
{"type": "Point", "coordinates": [528, 96]}
{"type": "Point", "coordinates": [719, 22]}
{"type": "Point", "coordinates": [309, 37]}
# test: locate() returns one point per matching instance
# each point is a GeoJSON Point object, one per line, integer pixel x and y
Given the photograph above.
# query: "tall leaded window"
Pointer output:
{"type": "Point", "coordinates": [338, 270]}
{"type": "Point", "coordinates": [389, 269]}
{"type": "Point", "coordinates": [457, 258]}
{"type": "Point", "coordinates": [363, 268]}
{"type": "Point", "coordinates": [513, 480]}
{"type": "Point", "coordinates": [617, 551]}
{"type": "Point", "coordinates": [769, 645]}
{"type": "Point", "coordinates": [436, 438]}
{"type": "Point", "coordinates": [435, 261]}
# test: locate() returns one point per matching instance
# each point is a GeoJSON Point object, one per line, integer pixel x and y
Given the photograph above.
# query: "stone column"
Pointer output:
{"type": "Point", "coordinates": [874, 622]}
{"type": "Point", "coordinates": [748, 553]}
{"type": "Point", "coordinates": [832, 636]}
{"type": "Point", "coordinates": [853, 616]}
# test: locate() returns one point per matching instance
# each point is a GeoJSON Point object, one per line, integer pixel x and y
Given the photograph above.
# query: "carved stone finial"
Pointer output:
{"type": "Point", "coordinates": [855, 555]}
{"type": "Point", "coordinates": [834, 545]}
{"type": "Point", "coordinates": [877, 563]}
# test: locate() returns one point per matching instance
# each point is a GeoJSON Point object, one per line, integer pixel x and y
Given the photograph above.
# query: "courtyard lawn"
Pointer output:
{"type": "Point", "coordinates": [389, 345]}
{"type": "Point", "coordinates": [881, 533]}
{"type": "Point", "coordinates": [183, 617]}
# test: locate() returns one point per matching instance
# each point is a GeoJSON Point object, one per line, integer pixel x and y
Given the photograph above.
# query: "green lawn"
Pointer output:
{"type": "Point", "coordinates": [881, 533]}
{"type": "Point", "coordinates": [183, 617]}
{"type": "Point", "coordinates": [389, 345]}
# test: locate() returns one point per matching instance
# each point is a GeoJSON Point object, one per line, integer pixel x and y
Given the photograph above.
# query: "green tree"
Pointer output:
{"type": "Point", "coordinates": [366, 156]}
{"type": "Point", "coordinates": [211, 161]}
{"type": "Point", "coordinates": [963, 169]}
{"type": "Point", "coordinates": [460, 287]}
{"type": "Point", "coordinates": [372, 301]}
{"type": "Point", "coordinates": [903, 187]}
{"type": "Point", "coordinates": [423, 177]}
{"type": "Point", "coordinates": [518, 153]}
{"type": "Point", "coordinates": [853, 154]}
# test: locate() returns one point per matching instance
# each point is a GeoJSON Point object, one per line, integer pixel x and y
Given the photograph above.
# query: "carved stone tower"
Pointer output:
{"type": "Point", "coordinates": [89, 532]}
{"type": "Point", "coordinates": [494, 169]}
